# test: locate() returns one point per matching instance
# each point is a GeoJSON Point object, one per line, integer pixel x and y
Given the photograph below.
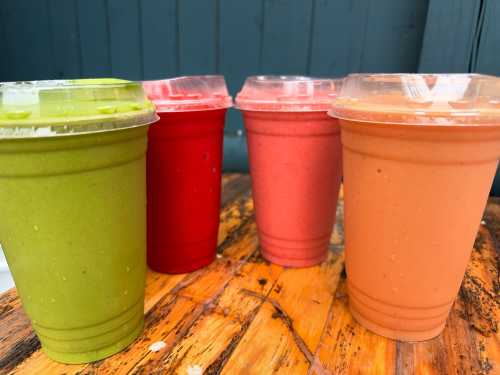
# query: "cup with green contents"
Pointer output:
{"type": "Point", "coordinates": [73, 210]}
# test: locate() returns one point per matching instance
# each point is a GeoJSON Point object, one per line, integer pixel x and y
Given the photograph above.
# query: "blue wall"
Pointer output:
{"type": "Point", "coordinates": [148, 39]}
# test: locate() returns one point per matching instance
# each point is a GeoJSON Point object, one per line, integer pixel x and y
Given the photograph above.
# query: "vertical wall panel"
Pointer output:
{"type": "Point", "coordinates": [198, 40]}
{"type": "Point", "coordinates": [286, 34]}
{"type": "Point", "coordinates": [240, 30]}
{"type": "Point", "coordinates": [334, 36]}
{"type": "Point", "coordinates": [357, 31]}
{"type": "Point", "coordinates": [487, 57]}
{"type": "Point", "coordinates": [63, 21]}
{"type": "Point", "coordinates": [449, 35]}
{"type": "Point", "coordinates": [94, 38]}
{"type": "Point", "coordinates": [28, 39]}
{"type": "Point", "coordinates": [159, 38]}
{"type": "Point", "coordinates": [241, 24]}
{"type": "Point", "coordinates": [488, 53]}
{"type": "Point", "coordinates": [5, 74]}
{"type": "Point", "coordinates": [125, 39]}
{"type": "Point", "coordinates": [394, 31]}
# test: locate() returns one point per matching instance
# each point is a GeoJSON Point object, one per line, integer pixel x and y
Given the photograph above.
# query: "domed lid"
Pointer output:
{"type": "Point", "coordinates": [190, 93]}
{"type": "Point", "coordinates": [64, 107]}
{"type": "Point", "coordinates": [287, 94]}
{"type": "Point", "coordinates": [433, 99]}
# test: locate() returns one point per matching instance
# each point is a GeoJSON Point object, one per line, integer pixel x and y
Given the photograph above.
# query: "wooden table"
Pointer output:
{"type": "Point", "coordinates": [242, 315]}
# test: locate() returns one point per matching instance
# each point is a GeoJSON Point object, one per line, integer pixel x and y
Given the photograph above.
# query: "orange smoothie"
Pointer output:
{"type": "Point", "coordinates": [419, 160]}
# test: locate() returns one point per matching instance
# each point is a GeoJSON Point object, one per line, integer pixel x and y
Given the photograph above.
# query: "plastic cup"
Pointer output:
{"type": "Point", "coordinates": [420, 153]}
{"type": "Point", "coordinates": [184, 171]}
{"type": "Point", "coordinates": [73, 210]}
{"type": "Point", "coordinates": [295, 164]}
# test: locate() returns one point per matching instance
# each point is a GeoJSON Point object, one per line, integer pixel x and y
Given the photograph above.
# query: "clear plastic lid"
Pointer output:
{"type": "Point", "coordinates": [190, 93]}
{"type": "Point", "coordinates": [287, 94]}
{"type": "Point", "coordinates": [65, 107]}
{"type": "Point", "coordinates": [433, 99]}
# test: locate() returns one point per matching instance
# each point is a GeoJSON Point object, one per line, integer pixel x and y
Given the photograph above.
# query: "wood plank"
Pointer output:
{"type": "Point", "coordinates": [198, 42]}
{"type": "Point", "coordinates": [256, 276]}
{"type": "Point", "coordinates": [267, 347]}
{"type": "Point", "coordinates": [234, 214]}
{"type": "Point", "coordinates": [94, 38]}
{"type": "Point", "coordinates": [205, 290]}
{"type": "Point", "coordinates": [347, 347]}
{"type": "Point", "coordinates": [17, 340]}
{"type": "Point", "coordinates": [159, 38]}
{"type": "Point", "coordinates": [166, 322]}
{"type": "Point", "coordinates": [452, 352]}
{"type": "Point", "coordinates": [484, 270]}
{"type": "Point", "coordinates": [157, 284]}
{"type": "Point", "coordinates": [217, 332]}
{"type": "Point", "coordinates": [309, 290]}
{"type": "Point", "coordinates": [125, 41]}
{"type": "Point", "coordinates": [480, 286]}
{"type": "Point", "coordinates": [286, 35]}
{"type": "Point", "coordinates": [279, 338]}
{"type": "Point", "coordinates": [240, 184]}
{"type": "Point", "coordinates": [210, 332]}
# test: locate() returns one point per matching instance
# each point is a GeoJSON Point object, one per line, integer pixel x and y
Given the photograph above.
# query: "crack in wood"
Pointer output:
{"type": "Point", "coordinates": [280, 313]}
{"type": "Point", "coordinates": [479, 289]}
{"type": "Point", "coordinates": [18, 353]}
{"type": "Point", "coordinates": [479, 306]}
{"type": "Point", "coordinates": [316, 366]}
{"type": "Point", "coordinates": [234, 188]}
{"type": "Point", "coordinates": [216, 366]}
{"type": "Point", "coordinates": [206, 307]}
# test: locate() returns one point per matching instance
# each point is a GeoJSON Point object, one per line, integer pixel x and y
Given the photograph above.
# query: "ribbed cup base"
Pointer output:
{"type": "Point", "coordinates": [90, 344]}
{"type": "Point", "coordinates": [294, 253]}
{"type": "Point", "coordinates": [397, 322]}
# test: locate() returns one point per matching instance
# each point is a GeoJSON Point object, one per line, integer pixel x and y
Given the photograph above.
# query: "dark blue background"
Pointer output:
{"type": "Point", "coordinates": [147, 39]}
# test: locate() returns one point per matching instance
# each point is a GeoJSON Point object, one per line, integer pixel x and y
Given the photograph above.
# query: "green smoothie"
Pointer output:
{"type": "Point", "coordinates": [73, 211]}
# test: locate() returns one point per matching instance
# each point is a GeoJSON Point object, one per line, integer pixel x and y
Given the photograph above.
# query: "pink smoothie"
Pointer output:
{"type": "Point", "coordinates": [296, 166]}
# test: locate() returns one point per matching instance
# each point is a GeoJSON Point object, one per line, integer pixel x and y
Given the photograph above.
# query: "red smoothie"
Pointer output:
{"type": "Point", "coordinates": [184, 171]}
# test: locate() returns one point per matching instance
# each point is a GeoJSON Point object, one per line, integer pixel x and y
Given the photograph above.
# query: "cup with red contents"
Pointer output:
{"type": "Point", "coordinates": [295, 163]}
{"type": "Point", "coordinates": [184, 171]}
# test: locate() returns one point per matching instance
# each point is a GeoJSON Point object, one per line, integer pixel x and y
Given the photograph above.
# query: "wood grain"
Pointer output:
{"type": "Point", "coordinates": [243, 315]}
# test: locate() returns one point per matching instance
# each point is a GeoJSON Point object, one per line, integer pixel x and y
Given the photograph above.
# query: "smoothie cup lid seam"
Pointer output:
{"type": "Point", "coordinates": [68, 107]}
{"type": "Point", "coordinates": [189, 93]}
{"type": "Point", "coordinates": [287, 94]}
{"type": "Point", "coordinates": [419, 99]}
